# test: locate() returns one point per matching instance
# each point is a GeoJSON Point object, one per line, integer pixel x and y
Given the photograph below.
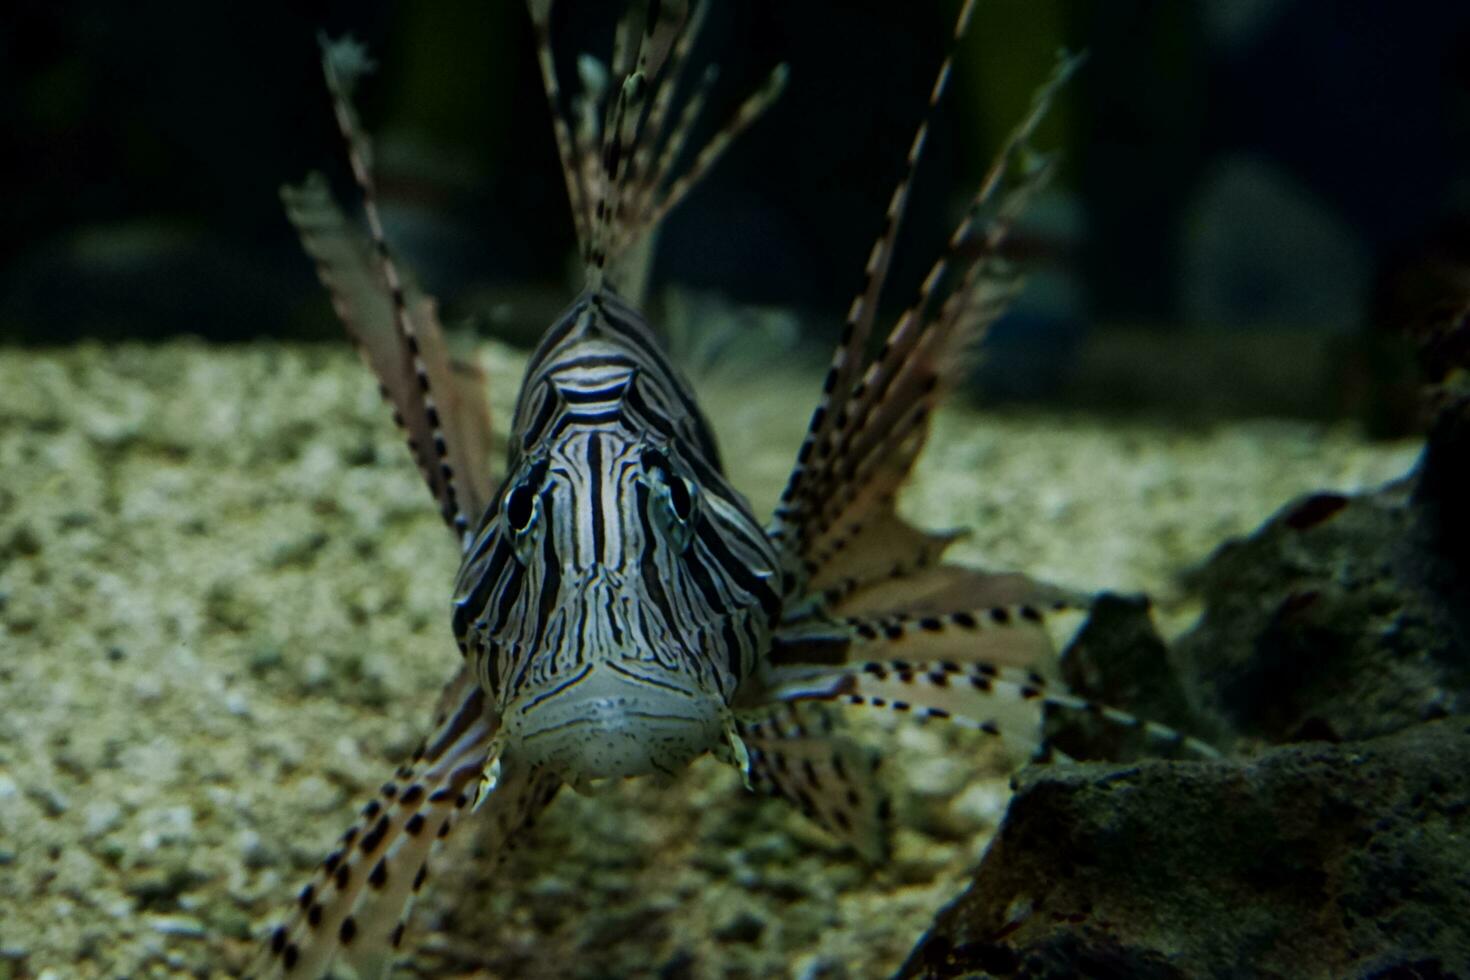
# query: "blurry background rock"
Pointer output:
{"type": "Point", "coordinates": [1243, 185]}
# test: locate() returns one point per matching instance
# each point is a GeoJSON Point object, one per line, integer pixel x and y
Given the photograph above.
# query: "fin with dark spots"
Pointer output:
{"type": "Point", "coordinates": [935, 613]}
{"type": "Point", "coordinates": [357, 903]}
{"type": "Point", "coordinates": [939, 589]}
{"type": "Point", "coordinates": [851, 353]}
{"type": "Point", "coordinates": [798, 755]}
{"type": "Point", "coordinates": [443, 411]}
{"type": "Point", "coordinates": [1023, 635]}
{"type": "Point", "coordinates": [850, 356]}
{"type": "Point", "coordinates": [467, 427]}
{"type": "Point", "coordinates": [573, 157]}
{"type": "Point", "coordinates": [873, 421]}
{"type": "Point", "coordinates": [664, 190]}
{"type": "Point", "coordinates": [620, 144]}
{"type": "Point", "coordinates": [1003, 701]}
{"type": "Point", "coordinates": [667, 65]}
{"type": "Point", "coordinates": [889, 548]}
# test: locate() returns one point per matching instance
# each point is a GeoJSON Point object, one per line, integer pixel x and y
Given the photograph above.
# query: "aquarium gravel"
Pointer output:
{"type": "Point", "coordinates": [223, 603]}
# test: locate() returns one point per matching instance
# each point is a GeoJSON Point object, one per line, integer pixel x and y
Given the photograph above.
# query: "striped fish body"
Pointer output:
{"type": "Point", "coordinates": [615, 593]}
{"type": "Point", "coordinates": [619, 591]}
{"type": "Point", "coordinates": [619, 608]}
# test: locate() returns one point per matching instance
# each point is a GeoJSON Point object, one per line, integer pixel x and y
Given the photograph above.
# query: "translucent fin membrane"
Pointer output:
{"type": "Point", "coordinates": [1023, 635]}
{"type": "Point", "coordinates": [999, 700]}
{"type": "Point", "coordinates": [621, 196]}
{"type": "Point", "coordinates": [849, 356]}
{"type": "Point", "coordinates": [440, 405]}
{"type": "Point", "coordinates": [798, 755]}
{"type": "Point", "coordinates": [357, 904]}
{"type": "Point", "coordinates": [872, 422]}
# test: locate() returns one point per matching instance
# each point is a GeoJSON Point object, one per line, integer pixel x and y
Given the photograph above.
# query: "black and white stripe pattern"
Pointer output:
{"type": "Point", "coordinates": [616, 543]}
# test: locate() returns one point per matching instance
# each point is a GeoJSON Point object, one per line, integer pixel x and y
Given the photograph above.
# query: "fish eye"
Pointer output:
{"type": "Point", "coordinates": [674, 498]}
{"type": "Point", "coordinates": [520, 508]}
{"type": "Point", "coordinates": [681, 499]}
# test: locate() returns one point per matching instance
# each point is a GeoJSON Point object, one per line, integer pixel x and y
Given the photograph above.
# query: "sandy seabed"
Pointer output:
{"type": "Point", "coordinates": [224, 619]}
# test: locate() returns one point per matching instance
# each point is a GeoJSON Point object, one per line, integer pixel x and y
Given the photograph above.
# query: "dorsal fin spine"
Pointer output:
{"type": "Point", "coordinates": [343, 62]}
{"type": "Point", "coordinates": [618, 200]}
{"type": "Point", "coordinates": [847, 359]}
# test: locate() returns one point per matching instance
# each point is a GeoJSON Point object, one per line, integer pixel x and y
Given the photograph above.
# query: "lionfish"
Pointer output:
{"type": "Point", "coordinates": [619, 609]}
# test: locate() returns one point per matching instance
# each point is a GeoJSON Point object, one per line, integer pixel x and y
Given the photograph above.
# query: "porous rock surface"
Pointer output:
{"type": "Point", "coordinates": [1313, 860]}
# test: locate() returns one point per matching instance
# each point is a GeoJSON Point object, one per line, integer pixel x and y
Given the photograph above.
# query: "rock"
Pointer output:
{"type": "Point", "coordinates": [1312, 860]}
{"type": "Point", "coordinates": [1343, 616]}
{"type": "Point", "coordinates": [1119, 659]}
{"type": "Point", "coordinates": [1444, 474]}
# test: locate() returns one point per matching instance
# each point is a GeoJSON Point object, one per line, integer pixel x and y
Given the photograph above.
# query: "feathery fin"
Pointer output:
{"type": "Point", "coordinates": [357, 904]}
{"type": "Point", "coordinates": [362, 883]}
{"type": "Point", "coordinates": [997, 699]}
{"type": "Point", "coordinates": [361, 298]}
{"type": "Point", "coordinates": [621, 195]}
{"type": "Point", "coordinates": [796, 754]}
{"type": "Point", "coordinates": [850, 354]}
{"type": "Point", "coordinates": [1024, 636]}
{"type": "Point", "coordinates": [868, 430]}
{"type": "Point", "coordinates": [445, 417]}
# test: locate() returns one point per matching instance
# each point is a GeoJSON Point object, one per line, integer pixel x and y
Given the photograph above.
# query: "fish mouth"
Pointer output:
{"type": "Point", "coordinates": [609, 721]}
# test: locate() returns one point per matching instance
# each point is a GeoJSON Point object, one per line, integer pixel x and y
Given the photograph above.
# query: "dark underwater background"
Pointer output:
{"type": "Point", "coordinates": [1244, 184]}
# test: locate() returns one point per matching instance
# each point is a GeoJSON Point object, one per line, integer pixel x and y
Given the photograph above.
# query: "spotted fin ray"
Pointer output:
{"type": "Point", "coordinates": [620, 147]}
{"type": "Point", "coordinates": [440, 405]}
{"type": "Point", "coordinates": [871, 424]}
{"type": "Point", "coordinates": [1018, 636]}
{"type": "Point", "coordinates": [797, 754]}
{"type": "Point", "coordinates": [1003, 701]}
{"type": "Point", "coordinates": [851, 352]}
{"type": "Point", "coordinates": [886, 549]}
{"type": "Point", "coordinates": [940, 589]}
{"type": "Point", "coordinates": [357, 904]}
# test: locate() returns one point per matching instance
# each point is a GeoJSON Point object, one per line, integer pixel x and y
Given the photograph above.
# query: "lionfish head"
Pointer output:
{"type": "Point", "coordinates": [614, 606]}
